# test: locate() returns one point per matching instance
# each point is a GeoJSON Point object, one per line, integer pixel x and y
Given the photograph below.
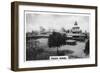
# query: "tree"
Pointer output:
{"type": "Point", "coordinates": [63, 29]}
{"type": "Point", "coordinates": [87, 48]}
{"type": "Point", "coordinates": [56, 40]}
{"type": "Point", "coordinates": [42, 30]}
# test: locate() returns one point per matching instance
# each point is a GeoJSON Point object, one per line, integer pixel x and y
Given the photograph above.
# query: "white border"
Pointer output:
{"type": "Point", "coordinates": [47, 63]}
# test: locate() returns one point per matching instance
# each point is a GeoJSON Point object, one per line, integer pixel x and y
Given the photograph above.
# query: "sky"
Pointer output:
{"type": "Point", "coordinates": [55, 21]}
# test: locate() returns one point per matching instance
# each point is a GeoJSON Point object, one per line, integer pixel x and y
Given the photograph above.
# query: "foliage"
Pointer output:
{"type": "Point", "coordinates": [86, 50]}
{"type": "Point", "coordinates": [56, 39]}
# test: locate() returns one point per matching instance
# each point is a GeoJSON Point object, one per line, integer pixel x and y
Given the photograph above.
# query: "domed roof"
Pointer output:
{"type": "Point", "coordinates": [75, 23]}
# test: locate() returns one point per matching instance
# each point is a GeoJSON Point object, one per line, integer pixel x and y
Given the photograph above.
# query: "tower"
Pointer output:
{"type": "Point", "coordinates": [76, 28]}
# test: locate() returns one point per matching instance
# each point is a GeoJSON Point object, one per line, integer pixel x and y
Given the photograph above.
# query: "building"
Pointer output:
{"type": "Point", "coordinates": [76, 33]}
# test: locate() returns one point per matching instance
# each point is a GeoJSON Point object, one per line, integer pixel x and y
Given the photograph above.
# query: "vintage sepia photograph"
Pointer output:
{"type": "Point", "coordinates": [56, 36]}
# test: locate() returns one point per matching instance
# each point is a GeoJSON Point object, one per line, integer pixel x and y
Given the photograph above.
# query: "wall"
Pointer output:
{"type": "Point", "coordinates": [5, 32]}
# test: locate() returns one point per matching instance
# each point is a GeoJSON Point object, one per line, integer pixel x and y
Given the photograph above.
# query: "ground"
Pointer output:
{"type": "Point", "coordinates": [72, 51]}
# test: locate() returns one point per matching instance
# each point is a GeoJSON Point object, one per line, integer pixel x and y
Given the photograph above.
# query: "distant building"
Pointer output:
{"type": "Point", "coordinates": [76, 28]}
{"type": "Point", "coordinates": [76, 33]}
